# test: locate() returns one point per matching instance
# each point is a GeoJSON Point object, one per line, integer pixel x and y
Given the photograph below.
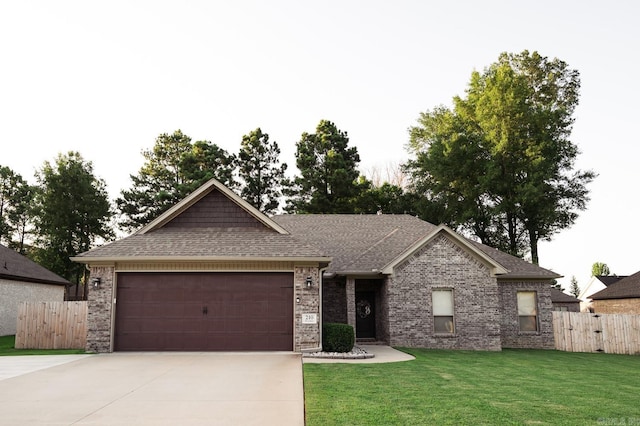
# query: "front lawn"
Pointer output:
{"type": "Point", "coordinates": [467, 387]}
{"type": "Point", "coordinates": [8, 343]}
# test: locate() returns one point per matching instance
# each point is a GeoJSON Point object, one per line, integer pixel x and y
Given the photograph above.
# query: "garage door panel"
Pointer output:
{"type": "Point", "coordinates": [204, 311]}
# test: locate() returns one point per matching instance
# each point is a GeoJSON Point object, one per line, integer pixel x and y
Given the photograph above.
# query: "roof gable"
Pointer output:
{"type": "Point", "coordinates": [212, 205]}
{"type": "Point", "coordinates": [214, 210]}
{"type": "Point", "coordinates": [15, 266]}
{"type": "Point", "coordinates": [495, 267]}
{"type": "Point", "coordinates": [367, 244]}
{"type": "Point", "coordinates": [626, 288]}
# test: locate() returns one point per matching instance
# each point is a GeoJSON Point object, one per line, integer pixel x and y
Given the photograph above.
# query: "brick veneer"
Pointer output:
{"type": "Point", "coordinates": [306, 336]}
{"type": "Point", "coordinates": [617, 306]}
{"type": "Point", "coordinates": [443, 264]}
{"type": "Point", "coordinates": [100, 308]}
{"type": "Point", "coordinates": [512, 337]}
{"type": "Point", "coordinates": [334, 300]}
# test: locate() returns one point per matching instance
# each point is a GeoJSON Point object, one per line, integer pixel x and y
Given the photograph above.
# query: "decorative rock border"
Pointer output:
{"type": "Point", "coordinates": [356, 353]}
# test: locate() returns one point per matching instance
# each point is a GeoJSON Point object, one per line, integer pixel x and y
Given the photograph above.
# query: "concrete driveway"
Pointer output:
{"type": "Point", "coordinates": [159, 389]}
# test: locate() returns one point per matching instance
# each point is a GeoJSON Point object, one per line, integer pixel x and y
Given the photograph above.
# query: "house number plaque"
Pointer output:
{"type": "Point", "coordinates": [309, 318]}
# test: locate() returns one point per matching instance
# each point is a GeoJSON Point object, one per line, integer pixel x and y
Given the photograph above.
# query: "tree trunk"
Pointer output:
{"type": "Point", "coordinates": [533, 243]}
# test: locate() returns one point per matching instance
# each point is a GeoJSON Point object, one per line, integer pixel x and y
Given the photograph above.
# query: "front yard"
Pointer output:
{"type": "Point", "coordinates": [465, 387]}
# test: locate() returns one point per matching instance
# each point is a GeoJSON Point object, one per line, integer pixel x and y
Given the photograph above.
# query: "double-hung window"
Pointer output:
{"type": "Point", "coordinates": [443, 311]}
{"type": "Point", "coordinates": [527, 311]}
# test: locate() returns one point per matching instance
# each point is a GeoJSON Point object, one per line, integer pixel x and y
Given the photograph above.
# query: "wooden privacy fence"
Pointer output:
{"type": "Point", "coordinates": [51, 325]}
{"type": "Point", "coordinates": [586, 332]}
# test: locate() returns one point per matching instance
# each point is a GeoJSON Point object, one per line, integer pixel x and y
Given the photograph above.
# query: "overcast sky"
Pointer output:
{"type": "Point", "coordinates": [106, 78]}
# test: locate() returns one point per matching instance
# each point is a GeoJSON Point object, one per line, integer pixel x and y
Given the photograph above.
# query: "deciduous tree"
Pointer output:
{"type": "Point", "coordinates": [72, 212]}
{"type": "Point", "coordinates": [501, 161]}
{"type": "Point", "coordinates": [599, 269]}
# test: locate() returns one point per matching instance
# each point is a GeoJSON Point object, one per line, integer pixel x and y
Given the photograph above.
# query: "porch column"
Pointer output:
{"type": "Point", "coordinates": [351, 302]}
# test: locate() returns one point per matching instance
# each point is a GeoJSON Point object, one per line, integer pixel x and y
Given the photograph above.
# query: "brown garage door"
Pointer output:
{"type": "Point", "coordinates": [204, 311]}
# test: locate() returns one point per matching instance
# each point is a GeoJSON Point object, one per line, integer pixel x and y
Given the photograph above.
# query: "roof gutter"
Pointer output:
{"type": "Point", "coordinates": [133, 259]}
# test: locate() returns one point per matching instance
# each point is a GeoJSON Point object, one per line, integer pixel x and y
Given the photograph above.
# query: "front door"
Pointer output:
{"type": "Point", "coordinates": [366, 314]}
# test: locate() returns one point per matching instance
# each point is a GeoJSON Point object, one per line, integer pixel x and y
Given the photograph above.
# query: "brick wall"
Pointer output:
{"type": "Point", "coordinates": [307, 301]}
{"type": "Point", "coordinates": [512, 337]}
{"type": "Point", "coordinates": [443, 264]}
{"type": "Point", "coordinates": [100, 308]}
{"type": "Point", "coordinates": [334, 300]}
{"type": "Point", "coordinates": [566, 306]}
{"type": "Point", "coordinates": [617, 306]}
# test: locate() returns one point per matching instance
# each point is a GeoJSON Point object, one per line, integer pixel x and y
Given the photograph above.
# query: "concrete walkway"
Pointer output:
{"type": "Point", "coordinates": [158, 389]}
{"type": "Point", "coordinates": [381, 354]}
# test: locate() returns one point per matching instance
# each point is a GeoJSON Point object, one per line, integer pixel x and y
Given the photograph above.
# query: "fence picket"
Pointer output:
{"type": "Point", "coordinates": [576, 332]}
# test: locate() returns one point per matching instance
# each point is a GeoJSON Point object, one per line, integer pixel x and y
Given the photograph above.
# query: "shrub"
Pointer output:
{"type": "Point", "coordinates": [337, 337]}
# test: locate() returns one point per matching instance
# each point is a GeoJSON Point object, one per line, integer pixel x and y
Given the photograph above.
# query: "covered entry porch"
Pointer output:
{"type": "Point", "coordinates": [359, 302]}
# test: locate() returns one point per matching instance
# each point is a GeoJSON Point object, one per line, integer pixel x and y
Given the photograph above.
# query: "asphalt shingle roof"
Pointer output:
{"type": "Point", "coordinates": [15, 266]}
{"type": "Point", "coordinates": [625, 288]}
{"type": "Point", "coordinates": [562, 297]}
{"type": "Point", "coordinates": [359, 243]}
{"type": "Point", "coordinates": [607, 280]}
{"type": "Point", "coordinates": [203, 242]}
{"type": "Point", "coordinates": [362, 243]}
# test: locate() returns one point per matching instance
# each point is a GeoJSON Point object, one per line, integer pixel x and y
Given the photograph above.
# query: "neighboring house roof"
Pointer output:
{"type": "Point", "coordinates": [16, 267]}
{"type": "Point", "coordinates": [369, 243]}
{"type": "Point", "coordinates": [626, 288]}
{"type": "Point", "coordinates": [597, 283]}
{"type": "Point", "coordinates": [607, 280]}
{"type": "Point", "coordinates": [558, 296]}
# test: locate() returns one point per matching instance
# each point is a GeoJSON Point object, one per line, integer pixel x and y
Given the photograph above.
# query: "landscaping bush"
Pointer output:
{"type": "Point", "coordinates": [337, 337]}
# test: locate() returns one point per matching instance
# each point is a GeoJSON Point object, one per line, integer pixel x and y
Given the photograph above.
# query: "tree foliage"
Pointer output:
{"type": "Point", "coordinates": [384, 199]}
{"type": "Point", "coordinates": [173, 168]}
{"type": "Point", "coordinates": [500, 163]}
{"type": "Point", "coordinates": [16, 197]}
{"type": "Point", "coordinates": [260, 170]}
{"type": "Point", "coordinates": [72, 211]}
{"type": "Point", "coordinates": [599, 269]}
{"type": "Point", "coordinates": [575, 288]}
{"type": "Point", "coordinates": [328, 180]}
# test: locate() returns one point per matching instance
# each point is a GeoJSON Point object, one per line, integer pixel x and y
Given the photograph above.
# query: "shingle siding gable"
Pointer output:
{"type": "Point", "coordinates": [215, 210]}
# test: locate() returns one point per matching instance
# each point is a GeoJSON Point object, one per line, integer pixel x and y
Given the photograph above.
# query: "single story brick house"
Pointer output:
{"type": "Point", "coordinates": [213, 273]}
{"type": "Point", "coordinates": [621, 297]}
{"type": "Point", "coordinates": [23, 280]}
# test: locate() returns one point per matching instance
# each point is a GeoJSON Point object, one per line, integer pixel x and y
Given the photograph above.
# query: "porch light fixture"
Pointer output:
{"type": "Point", "coordinates": [96, 282]}
{"type": "Point", "coordinates": [309, 281]}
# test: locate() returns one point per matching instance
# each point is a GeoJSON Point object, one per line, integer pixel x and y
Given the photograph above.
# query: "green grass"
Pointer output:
{"type": "Point", "coordinates": [512, 387]}
{"type": "Point", "coordinates": [8, 347]}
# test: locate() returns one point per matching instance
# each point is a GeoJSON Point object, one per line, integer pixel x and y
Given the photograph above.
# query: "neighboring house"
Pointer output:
{"type": "Point", "coordinates": [562, 301]}
{"type": "Point", "coordinates": [22, 280]}
{"type": "Point", "coordinates": [213, 273]}
{"type": "Point", "coordinates": [596, 284]}
{"type": "Point", "coordinates": [621, 297]}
